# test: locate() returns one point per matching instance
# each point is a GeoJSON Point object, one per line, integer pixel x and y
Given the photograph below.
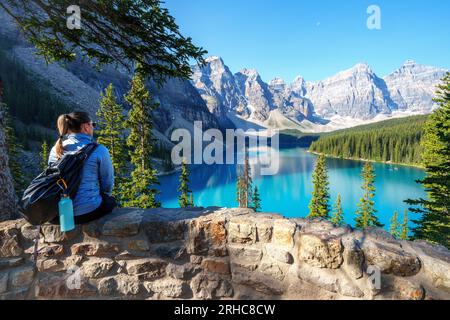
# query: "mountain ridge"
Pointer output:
{"type": "Point", "coordinates": [351, 97]}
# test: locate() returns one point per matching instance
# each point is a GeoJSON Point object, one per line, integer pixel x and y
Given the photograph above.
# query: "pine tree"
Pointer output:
{"type": "Point", "coordinates": [319, 206]}
{"type": "Point", "coordinates": [248, 181]}
{"type": "Point", "coordinates": [366, 213]}
{"type": "Point", "coordinates": [241, 194]}
{"type": "Point", "coordinates": [113, 32]}
{"type": "Point", "coordinates": [256, 200]}
{"type": "Point", "coordinates": [184, 198]}
{"type": "Point", "coordinates": [394, 229]}
{"type": "Point", "coordinates": [111, 135]}
{"type": "Point", "coordinates": [139, 191]}
{"type": "Point", "coordinates": [239, 191]}
{"type": "Point", "coordinates": [396, 140]}
{"type": "Point", "coordinates": [404, 227]}
{"type": "Point", "coordinates": [44, 155]}
{"type": "Point", "coordinates": [14, 149]}
{"type": "Point", "coordinates": [244, 185]}
{"type": "Point", "coordinates": [434, 223]}
{"type": "Point", "coordinates": [338, 215]}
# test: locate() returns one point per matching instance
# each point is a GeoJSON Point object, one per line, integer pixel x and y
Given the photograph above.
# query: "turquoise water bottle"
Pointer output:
{"type": "Point", "coordinates": [66, 218]}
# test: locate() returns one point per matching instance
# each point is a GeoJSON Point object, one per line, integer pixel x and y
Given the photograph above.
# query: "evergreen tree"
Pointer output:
{"type": "Point", "coordinates": [256, 200]}
{"type": "Point", "coordinates": [366, 213]}
{"type": "Point", "coordinates": [395, 140]}
{"type": "Point", "coordinates": [112, 32]}
{"type": "Point", "coordinates": [404, 227]}
{"type": "Point", "coordinates": [139, 192]}
{"type": "Point", "coordinates": [44, 155]}
{"type": "Point", "coordinates": [111, 134]}
{"type": "Point", "coordinates": [320, 197]}
{"type": "Point", "coordinates": [14, 149]}
{"type": "Point", "coordinates": [338, 215]}
{"type": "Point", "coordinates": [241, 192]}
{"type": "Point", "coordinates": [394, 229]}
{"type": "Point", "coordinates": [31, 105]}
{"type": "Point", "coordinates": [184, 199]}
{"type": "Point", "coordinates": [244, 185]}
{"type": "Point", "coordinates": [239, 188]}
{"type": "Point", "coordinates": [434, 223]}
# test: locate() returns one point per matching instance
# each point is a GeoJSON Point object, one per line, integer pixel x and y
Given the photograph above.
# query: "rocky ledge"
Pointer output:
{"type": "Point", "coordinates": [216, 253]}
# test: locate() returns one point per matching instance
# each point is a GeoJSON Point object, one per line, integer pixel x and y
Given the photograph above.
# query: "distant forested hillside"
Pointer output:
{"type": "Point", "coordinates": [33, 108]}
{"type": "Point", "coordinates": [297, 138]}
{"type": "Point", "coordinates": [396, 140]}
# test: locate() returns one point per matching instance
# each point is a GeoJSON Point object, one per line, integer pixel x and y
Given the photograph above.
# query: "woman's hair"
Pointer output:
{"type": "Point", "coordinates": [69, 122]}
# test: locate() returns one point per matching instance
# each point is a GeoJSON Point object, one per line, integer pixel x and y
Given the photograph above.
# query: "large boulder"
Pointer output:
{"type": "Point", "coordinates": [319, 251]}
{"type": "Point", "coordinates": [435, 261]}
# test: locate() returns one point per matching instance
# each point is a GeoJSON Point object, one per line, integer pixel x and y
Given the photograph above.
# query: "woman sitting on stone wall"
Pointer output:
{"type": "Point", "coordinates": [93, 199]}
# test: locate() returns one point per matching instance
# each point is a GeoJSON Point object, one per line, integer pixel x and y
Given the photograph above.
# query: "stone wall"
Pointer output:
{"type": "Point", "coordinates": [216, 253]}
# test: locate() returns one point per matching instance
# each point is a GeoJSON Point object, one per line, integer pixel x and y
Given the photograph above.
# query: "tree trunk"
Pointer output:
{"type": "Point", "coordinates": [7, 198]}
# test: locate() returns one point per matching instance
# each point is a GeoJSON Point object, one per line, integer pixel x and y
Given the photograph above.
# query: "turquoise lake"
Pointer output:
{"type": "Point", "coordinates": [289, 192]}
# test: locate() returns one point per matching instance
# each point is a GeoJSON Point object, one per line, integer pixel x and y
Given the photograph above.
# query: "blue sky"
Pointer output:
{"type": "Point", "coordinates": [316, 38]}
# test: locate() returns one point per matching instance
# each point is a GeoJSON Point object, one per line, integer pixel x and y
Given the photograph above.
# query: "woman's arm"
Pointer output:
{"type": "Point", "coordinates": [106, 170]}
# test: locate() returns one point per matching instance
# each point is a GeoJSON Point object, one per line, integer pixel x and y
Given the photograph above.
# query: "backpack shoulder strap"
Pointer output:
{"type": "Point", "coordinates": [88, 149]}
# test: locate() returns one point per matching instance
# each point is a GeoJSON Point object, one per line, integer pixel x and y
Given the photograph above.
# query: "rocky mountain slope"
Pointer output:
{"type": "Point", "coordinates": [352, 97]}
{"type": "Point", "coordinates": [79, 85]}
{"type": "Point", "coordinates": [221, 98]}
{"type": "Point", "coordinates": [356, 93]}
{"type": "Point", "coordinates": [217, 253]}
{"type": "Point", "coordinates": [412, 85]}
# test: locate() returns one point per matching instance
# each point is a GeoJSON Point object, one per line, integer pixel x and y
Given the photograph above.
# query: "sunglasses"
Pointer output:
{"type": "Point", "coordinates": [93, 124]}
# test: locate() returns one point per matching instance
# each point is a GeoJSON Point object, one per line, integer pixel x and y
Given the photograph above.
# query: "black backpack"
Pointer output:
{"type": "Point", "coordinates": [39, 203]}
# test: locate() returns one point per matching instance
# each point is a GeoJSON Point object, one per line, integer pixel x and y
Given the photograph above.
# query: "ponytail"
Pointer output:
{"type": "Point", "coordinates": [69, 122]}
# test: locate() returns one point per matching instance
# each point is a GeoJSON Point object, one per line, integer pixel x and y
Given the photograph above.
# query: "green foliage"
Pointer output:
{"type": "Point", "coordinates": [139, 192]}
{"type": "Point", "coordinates": [185, 199]}
{"type": "Point", "coordinates": [247, 196]}
{"type": "Point", "coordinates": [396, 140]}
{"type": "Point", "coordinates": [256, 200]}
{"type": "Point", "coordinates": [14, 150]}
{"type": "Point", "coordinates": [366, 213]}
{"type": "Point", "coordinates": [111, 32]}
{"type": "Point", "coordinates": [45, 151]}
{"type": "Point", "coordinates": [319, 207]}
{"type": "Point", "coordinates": [404, 227]}
{"type": "Point", "coordinates": [338, 213]}
{"type": "Point", "coordinates": [397, 230]}
{"type": "Point", "coordinates": [434, 223]}
{"type": "Point", "coordinates": [394, 229]}
{"type": "Point", "coordinates": [111, 134]}
{"type": "Point", "coordinates": [239, 191]}
{"type": "Point", "coordinates": [33, 109]}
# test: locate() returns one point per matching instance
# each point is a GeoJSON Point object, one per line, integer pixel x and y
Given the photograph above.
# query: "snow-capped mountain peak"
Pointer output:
{"type": "Point", "coordinates": [356, 93]}
{"type": "Point", "coordinates": [409, 63]}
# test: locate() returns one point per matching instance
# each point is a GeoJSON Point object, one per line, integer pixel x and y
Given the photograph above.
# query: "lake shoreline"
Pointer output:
{"type": "Point", "coordinates": [289, 192]}
{"type": "Point", "coordinates": [369, 160]}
